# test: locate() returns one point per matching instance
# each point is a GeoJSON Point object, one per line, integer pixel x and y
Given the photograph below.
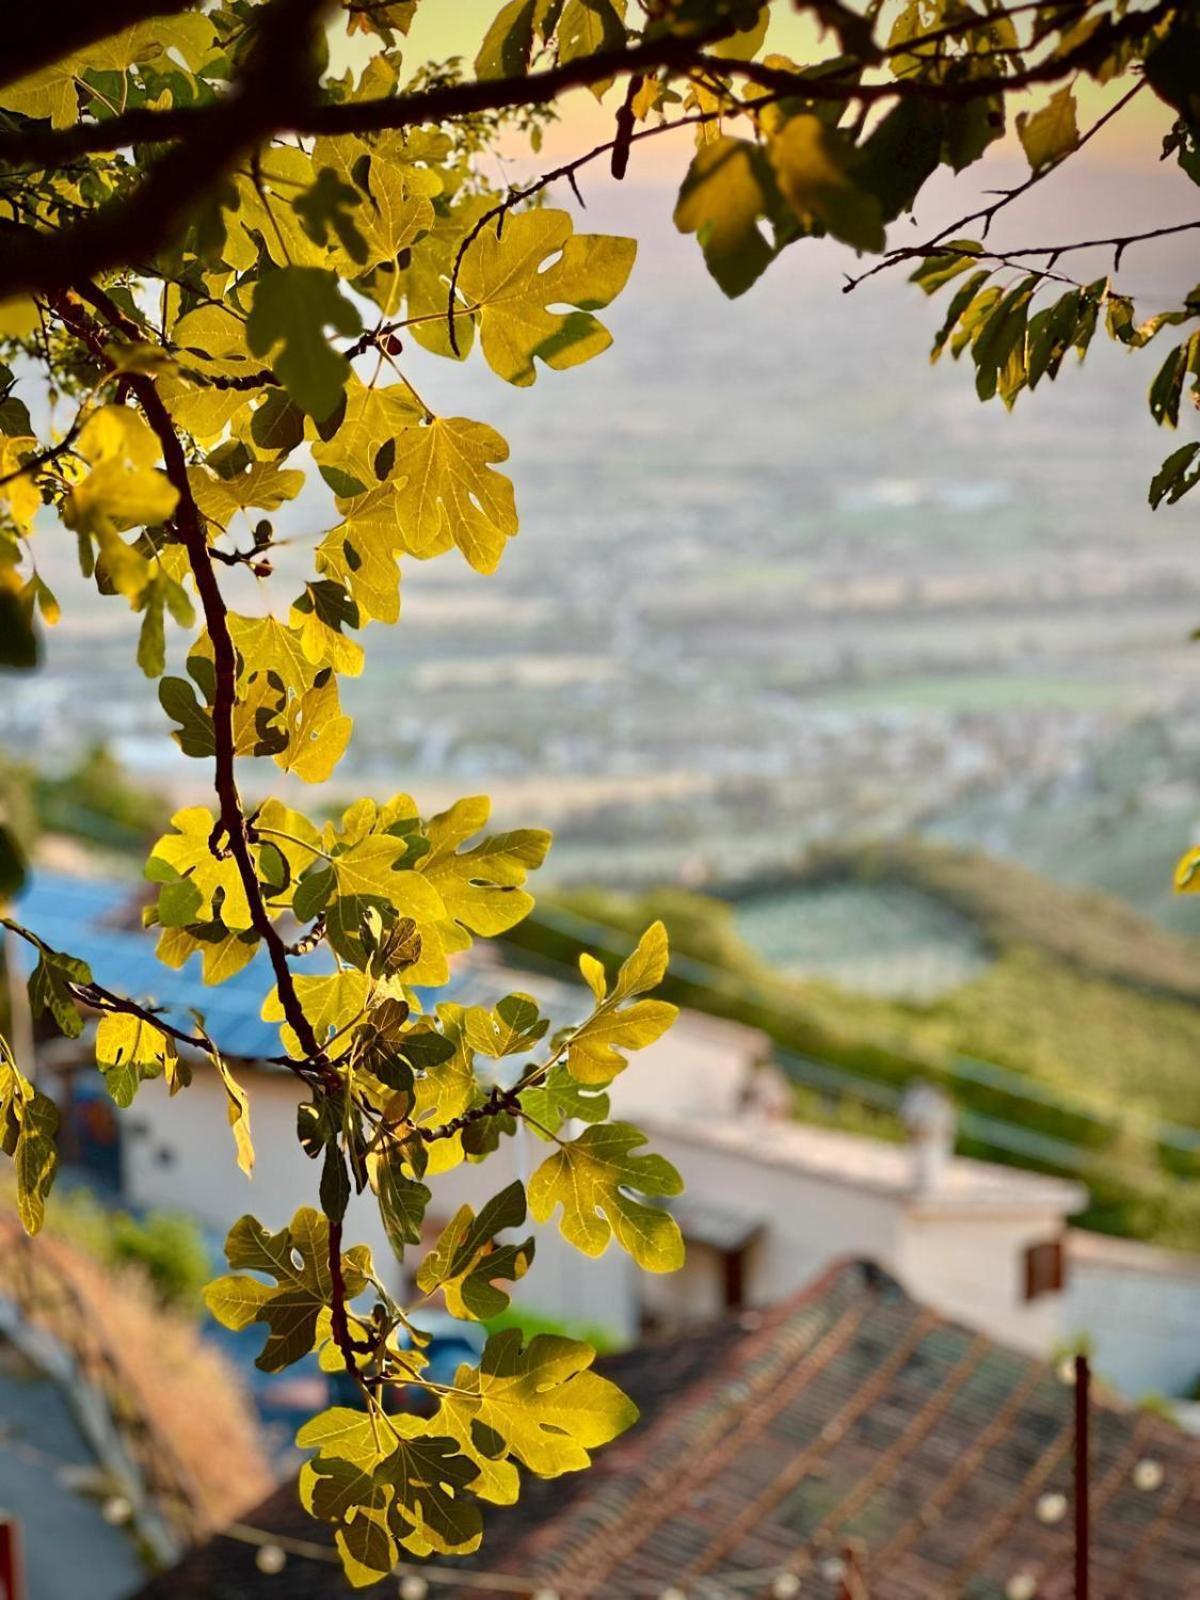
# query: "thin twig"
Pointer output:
{"type": "Point", "coordinates": [99, 998]}
{"type": "Point", "coordinates": [986, 214]}
{"type": "Point", "coordinates": [515, 197]}
{"type": "Point", "coordinates": [1016, 258]}
{"type": "Point", "coordinates": [47, 458]}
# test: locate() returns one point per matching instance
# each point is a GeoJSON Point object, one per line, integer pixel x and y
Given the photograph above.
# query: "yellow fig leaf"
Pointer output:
{"type": "Point", "coordinates": [28, 1129]}
{"type": "Point", "coordinates": [509, 285]}
{"type": "Point", "coordinates": [128, 1051]}
{"type": "Point", "coordinates": [481, 887]}
{"type": "Point", "coordinates": [1050, 133]}
{"type": "Point", "coordinates": [297, 1259]}
{"type": "Point", "coordinates": [209, 885]}
{"type": "Point", "coordinates": [544, 1403]}
{"type": "Point", "coordinates": [594, 1179]}
{"type": "Point", "coordinates": [366, 568]}
{"type": "Point", "coordinates": [237, 1109]}
{"type": "Point", "coordinates": [263, 484]}
{"type": "Point", "coordinates": [331, 1002]}
{"type": "Point", "coordinates": [267, 645]}
{"type": "Point", "coordinates": [722, 201]}
{"type": "Point", "coordinates": [20, 495]}
{"type": "Point", "coordinates": [812, 166]}
{"type": "Point", "coordinates": [396, 207]}
{"type": "Point", "coordinates": [594, 1054]}
{"type": "Point", "coordinates": [318, 733]}
{"type": "Point", "coordinates": [372, 418]}
{"type": "Point", "coordinates": [124, 489]}
{"type": "Point", "coordinates": [450, 494]}
{"type": "Point", "coordinates": [1187, 872]}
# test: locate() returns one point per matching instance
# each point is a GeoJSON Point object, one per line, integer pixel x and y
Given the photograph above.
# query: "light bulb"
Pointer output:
{"type": "Point", "coordinates": [1051, 1507]}
{"type": "Point", "coordinates": [1148, 1475]}
{"type": "Point", "coordinates": [785, 1587]}
{"type": "Point", "coordinates": [413, 1587]}
{"type": "Point", "coordinates": [269, 1558]}
{"type": "Point", "coordinates": [1021, 1586]}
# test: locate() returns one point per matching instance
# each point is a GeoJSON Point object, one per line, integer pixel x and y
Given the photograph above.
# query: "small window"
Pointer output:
{"type": "Point", "coordinates": [1045, 1269]}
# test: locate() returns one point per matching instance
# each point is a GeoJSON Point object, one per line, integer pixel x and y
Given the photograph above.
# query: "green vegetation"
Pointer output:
{"type": "Point", "coordinates": [530, 1323]}
{"type": "Point", "coordinates": [95, 800]}
{"type": "Point", "coordinates": [1011, 905]}
{"type": "Point", "coordinates": [1080, 995]}
{"type": "Point", "coordinates": [165, 1250]}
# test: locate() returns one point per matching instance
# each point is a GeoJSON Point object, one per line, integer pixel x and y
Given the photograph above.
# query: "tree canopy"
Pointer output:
{"type": "Point", "coordinates": [216, 251]}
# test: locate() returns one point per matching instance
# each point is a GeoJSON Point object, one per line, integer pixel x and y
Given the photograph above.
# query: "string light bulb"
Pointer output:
{"type": "Point", "coordinates": [1021, 1586]}
{"type": "Point", "coordinates": [672, 1594]}
{"type": "Point", "coordinates": [545, 1594]}
{"type": "Point", "coordinates": [1051, 1507]}
{"type": "Point", "coordinates": [116, 1510]}
{"type": "Point", "coordinates": [413, 1587]}
{"type": "Point", "coordinates": [1148, 1475]}
{"type": "Point", "coordinates": [269, 1558]}
{"type": "Point", "coordinates": [785, 1586]}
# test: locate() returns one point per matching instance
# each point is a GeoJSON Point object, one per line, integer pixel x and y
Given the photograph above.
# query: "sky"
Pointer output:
{"type": "Point", "coordinates": [455, 27]}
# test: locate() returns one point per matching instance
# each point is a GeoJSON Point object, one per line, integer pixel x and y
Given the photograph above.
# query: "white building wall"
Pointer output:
{"type": "Point", "coordinates": [972, 1267]}
{"type": "Point", "coordinates": [178, 1154]}
{"type": "Point", "coordinates": [965, 1263]}
{"type": "Point", "coordinates": [1140, 1310]}
{"type": "Point", "coordinates": [199, 1176]}
{"type": "Point", "coordinates": [808, 1223]}
{"type": "Point", "coordinates": [702, 1066]}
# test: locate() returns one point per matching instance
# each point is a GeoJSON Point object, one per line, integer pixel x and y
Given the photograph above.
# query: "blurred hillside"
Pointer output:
{"type": "Point", "coordinates": [1060, 1012]}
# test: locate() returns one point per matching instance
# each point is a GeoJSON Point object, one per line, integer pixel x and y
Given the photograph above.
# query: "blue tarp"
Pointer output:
{"type": "Point", "coordinates": [97, 919]}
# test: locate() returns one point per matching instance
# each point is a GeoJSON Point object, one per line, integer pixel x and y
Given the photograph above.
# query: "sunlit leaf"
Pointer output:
{"type": "Point", "coordinates": [593, 1179]}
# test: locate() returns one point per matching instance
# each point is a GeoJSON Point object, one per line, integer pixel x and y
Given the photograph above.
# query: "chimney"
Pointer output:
{"type": "Point", "coordinates": [930, 1118]}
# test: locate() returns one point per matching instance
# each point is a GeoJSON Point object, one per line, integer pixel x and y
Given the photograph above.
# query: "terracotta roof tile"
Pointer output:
{"type": "Point", "coordinates": [850, 1413]}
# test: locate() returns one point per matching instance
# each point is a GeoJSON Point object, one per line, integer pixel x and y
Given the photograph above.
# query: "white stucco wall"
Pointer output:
{"type": "Point", "coordinates": [1140, 1309]}
{"type": "Point", "coordinates": [972, 1267]}
{"type": "Point", "coordinates": [808, 1223]}
{"type": "Point", "coordinates": [178, 1154]}
{"type": "Point", "coordinates": [701, 1066]}
{"type": "Point", "coordinates": [967, 1264]}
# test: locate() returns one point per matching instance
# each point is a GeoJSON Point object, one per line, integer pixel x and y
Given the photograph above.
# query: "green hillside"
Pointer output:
{"type": "Point", "coordinates": [1091, 1004]}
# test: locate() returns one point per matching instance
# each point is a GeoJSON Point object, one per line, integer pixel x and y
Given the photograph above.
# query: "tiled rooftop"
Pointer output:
{"type": "Point", "coordinates": [849, 1416]}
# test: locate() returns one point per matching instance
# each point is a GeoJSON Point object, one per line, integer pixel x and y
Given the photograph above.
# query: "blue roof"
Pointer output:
{"type": "Point", "coordinates": [90, 918]}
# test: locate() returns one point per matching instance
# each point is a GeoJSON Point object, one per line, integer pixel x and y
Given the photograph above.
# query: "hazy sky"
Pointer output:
{"type": "Point", "coordinates": [456, 27]}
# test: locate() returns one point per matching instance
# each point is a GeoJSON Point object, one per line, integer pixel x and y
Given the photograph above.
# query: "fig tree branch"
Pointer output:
{"type": "Point", "coordinates": [276, 93]}
{"type": "Point", "coordinates": [987, 214]}
{"type": "Point", "coordinates": [188, 526]}
{"type": "Point", "coordinates": [35, 36]}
